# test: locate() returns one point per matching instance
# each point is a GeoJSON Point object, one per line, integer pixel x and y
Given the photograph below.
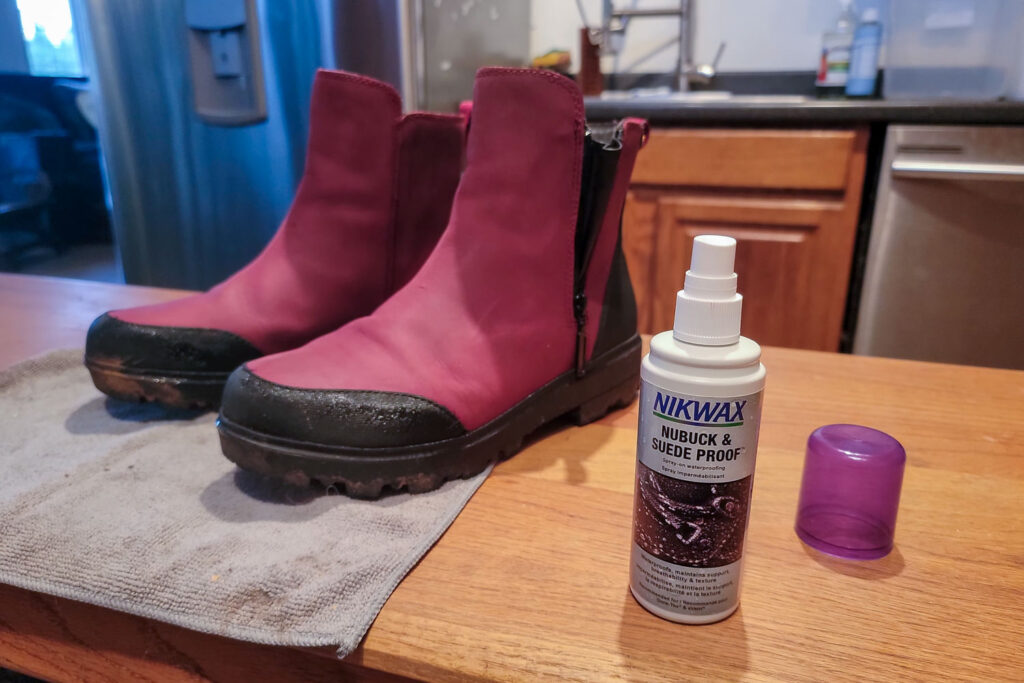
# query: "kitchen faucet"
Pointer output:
{"type": "Point", "coordinates": [612, 33]}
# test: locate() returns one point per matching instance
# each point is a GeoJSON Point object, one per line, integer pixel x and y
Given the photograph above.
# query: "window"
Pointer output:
{"type": "Point", "coordinates": [47, 26]}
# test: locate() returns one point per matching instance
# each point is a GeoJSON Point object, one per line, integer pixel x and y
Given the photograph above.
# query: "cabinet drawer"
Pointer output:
{"type": "Point", "coordinates": [756, 159]}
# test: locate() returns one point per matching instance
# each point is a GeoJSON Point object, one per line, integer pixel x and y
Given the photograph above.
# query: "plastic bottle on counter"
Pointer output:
{"type": "Point", "coordinates": [867, 41]}
{"type": "Point", "coordinates": [836, 44]}
{"type": "Point", "coordinates": [700, 411]}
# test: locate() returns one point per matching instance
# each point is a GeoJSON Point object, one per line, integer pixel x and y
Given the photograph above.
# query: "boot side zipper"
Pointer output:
{"type": "Point", "coordinates": [600, 160]}
{"type": "Point", "coordinates": [579, 306]}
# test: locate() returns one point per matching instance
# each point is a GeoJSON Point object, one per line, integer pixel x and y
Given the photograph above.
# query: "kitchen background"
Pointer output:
{"type": "Point", "coordinates": [764, 35]}
{"type": "Point", "coordinates": [160, 143]}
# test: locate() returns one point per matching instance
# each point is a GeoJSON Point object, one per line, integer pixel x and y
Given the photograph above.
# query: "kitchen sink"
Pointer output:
{"type": "Point", "coordinates": [659, 95]}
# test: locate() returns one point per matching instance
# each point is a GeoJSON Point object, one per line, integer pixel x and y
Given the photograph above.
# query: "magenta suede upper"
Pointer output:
{"type": "Point", "coordinates": [333, 258]}
{"type": "Point", "coordinates": [428, 173]}
{"type": "Point", "coordinates": [488, 319]}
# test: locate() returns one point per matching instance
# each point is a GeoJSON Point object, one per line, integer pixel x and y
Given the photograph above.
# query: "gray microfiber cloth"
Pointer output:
{"type": "Point", "coordinates": [133, 507]}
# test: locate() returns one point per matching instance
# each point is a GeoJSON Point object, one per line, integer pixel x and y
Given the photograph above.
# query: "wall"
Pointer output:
{"type": "Point", "coordinates": [760, 35]}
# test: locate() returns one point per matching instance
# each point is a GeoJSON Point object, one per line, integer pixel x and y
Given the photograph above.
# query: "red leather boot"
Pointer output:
{"type": "Point", "coordinates": [374, 198]}
{"type": "Point", "coordinates": [524, 312]}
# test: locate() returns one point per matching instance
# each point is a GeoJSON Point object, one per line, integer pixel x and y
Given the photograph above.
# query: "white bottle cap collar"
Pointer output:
{"type": "Point", "coordinates": [708, 308]}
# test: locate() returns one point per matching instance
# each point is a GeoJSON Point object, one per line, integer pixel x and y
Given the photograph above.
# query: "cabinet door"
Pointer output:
{"type": "Point", "coordinates": [793, 257]}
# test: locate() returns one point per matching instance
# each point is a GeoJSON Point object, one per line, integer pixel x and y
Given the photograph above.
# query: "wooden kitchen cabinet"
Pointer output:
{"type": "Point", "coordinates": [791, 199]}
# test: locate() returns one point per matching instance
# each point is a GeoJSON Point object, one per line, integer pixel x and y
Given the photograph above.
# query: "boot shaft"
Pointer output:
{"type": "Point", "coordinates": [345, 199]}
{"type": "Point", "coordinates": [374, 197]}
{"type": "Point", "coordinates": [393, 176]}
{"type": "Point", "coordinates": [530, 146]}
{"type": "Point", "coordinates": [431, 149]}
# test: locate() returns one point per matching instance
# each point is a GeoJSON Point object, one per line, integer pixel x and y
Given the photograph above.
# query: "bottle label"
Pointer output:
{"type": "Point", "coordinates": [837, 66]}
{"type": "Point", "coordinates": [695, 468]}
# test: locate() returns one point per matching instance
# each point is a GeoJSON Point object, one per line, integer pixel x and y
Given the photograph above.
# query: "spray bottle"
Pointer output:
{"type": "Point", "coordinates": [700, 410]}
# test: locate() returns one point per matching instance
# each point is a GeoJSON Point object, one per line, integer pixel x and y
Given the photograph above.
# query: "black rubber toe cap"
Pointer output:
{"type": "Point", "coordinates": [334, 418]}
{"type": "Point", "coordinates": [152, 349]}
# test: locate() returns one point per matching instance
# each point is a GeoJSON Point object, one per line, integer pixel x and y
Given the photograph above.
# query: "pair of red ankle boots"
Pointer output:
{"type": "Point", "coordinates": [406, 326]}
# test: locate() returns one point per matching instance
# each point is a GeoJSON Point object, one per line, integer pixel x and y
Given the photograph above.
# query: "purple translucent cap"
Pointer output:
{"type": "Point", "coordinates": [850, 492]}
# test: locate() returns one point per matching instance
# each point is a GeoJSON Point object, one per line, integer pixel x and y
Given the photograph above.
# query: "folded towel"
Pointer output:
{"type": "Point", "coordinates": [133, 507]}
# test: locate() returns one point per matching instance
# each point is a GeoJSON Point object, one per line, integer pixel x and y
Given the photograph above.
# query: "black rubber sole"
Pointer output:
{"type": "Point", "coordinates": [611, 382]}
{"type": "Point", "coordinates": [194, 391]}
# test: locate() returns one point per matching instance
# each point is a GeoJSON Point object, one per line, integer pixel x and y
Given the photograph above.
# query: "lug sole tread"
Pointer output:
{"type": "Point", "coordinates": [611, 382]}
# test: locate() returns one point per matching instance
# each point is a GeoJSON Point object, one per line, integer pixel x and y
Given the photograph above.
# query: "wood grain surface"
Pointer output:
{"type": "Point", "coordinates": [530, 582]}
{"type": "Point", "coordinates": [746, 158]}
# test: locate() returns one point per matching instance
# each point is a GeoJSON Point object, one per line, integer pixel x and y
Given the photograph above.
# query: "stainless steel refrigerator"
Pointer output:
{"type": "Point", "coordinates": [203, 106]}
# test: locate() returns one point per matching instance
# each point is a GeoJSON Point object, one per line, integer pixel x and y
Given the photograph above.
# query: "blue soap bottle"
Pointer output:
{"type": "Point", "coordinates": [867, 41]}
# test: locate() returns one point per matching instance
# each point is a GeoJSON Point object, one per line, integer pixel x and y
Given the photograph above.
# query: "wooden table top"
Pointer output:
{"type": "Point", "coordinates": [531, 579]}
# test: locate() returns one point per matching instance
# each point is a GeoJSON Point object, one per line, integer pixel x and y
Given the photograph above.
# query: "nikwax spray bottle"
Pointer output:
{"type": "Point", "coordinates": [700, 410]}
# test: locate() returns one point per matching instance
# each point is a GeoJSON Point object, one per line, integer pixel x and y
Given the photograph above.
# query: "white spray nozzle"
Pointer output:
{"type": "Point", "coordinates": [713, 255]}
{"type": "Point", "coordinates": [711, 264]}
{"type": "Point", "coordinates": [708, 307]}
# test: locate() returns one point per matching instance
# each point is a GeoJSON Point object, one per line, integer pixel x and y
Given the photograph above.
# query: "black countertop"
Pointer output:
{"type": "Point", "coordinates": [808, 112]}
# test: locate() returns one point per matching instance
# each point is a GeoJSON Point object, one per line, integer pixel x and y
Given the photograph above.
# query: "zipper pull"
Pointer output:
{"type": "Point", "coordinates": [579, 305]}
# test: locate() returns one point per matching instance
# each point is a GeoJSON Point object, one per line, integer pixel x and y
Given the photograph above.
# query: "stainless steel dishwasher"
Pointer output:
{"type": "Point", "coordinates": [944, 276]}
